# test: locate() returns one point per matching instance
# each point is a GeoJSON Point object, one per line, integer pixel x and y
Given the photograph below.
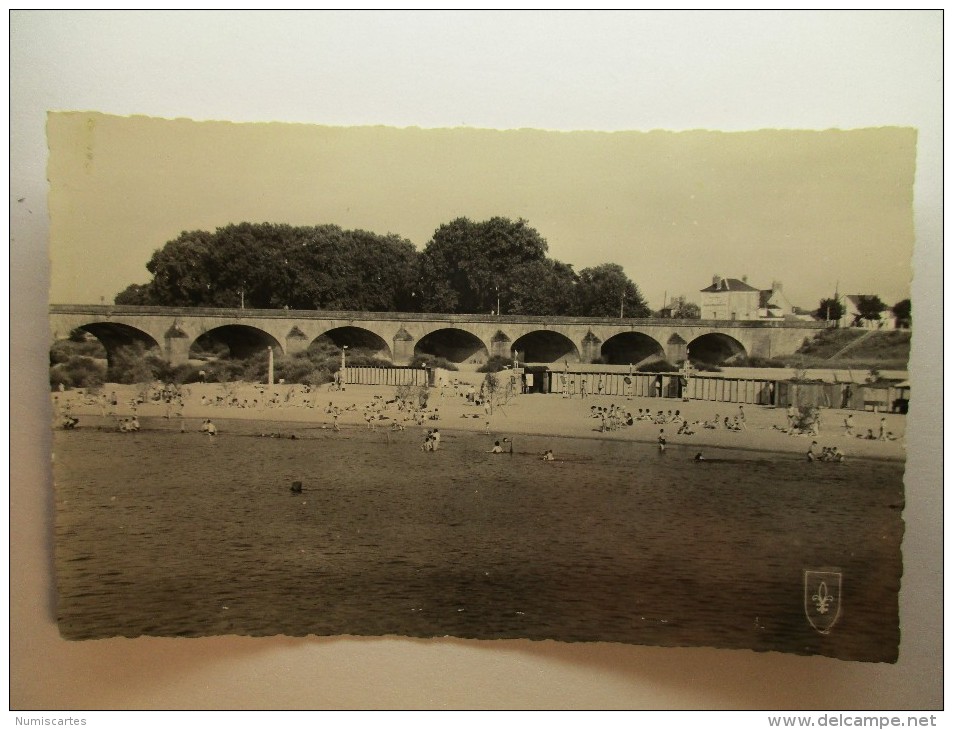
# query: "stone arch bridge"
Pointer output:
{"type": "Point", "coordinates": [399, 336]}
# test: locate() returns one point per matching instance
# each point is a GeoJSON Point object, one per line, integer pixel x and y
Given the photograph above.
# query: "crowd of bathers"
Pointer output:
{"type": "Point", "coordinates": [612, 417]}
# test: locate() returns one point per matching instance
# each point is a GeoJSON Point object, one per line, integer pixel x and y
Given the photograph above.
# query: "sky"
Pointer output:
{"type": "Point", "coordinates": [818, 211]}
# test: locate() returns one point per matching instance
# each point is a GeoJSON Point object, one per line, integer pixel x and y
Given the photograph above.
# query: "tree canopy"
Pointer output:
{"type": "Point", "coordinates": [869, 307]}
{"type": "Point", "coordinates": [829, 309]}
{"type": "Point", "coordinates": [272, 266]}
{"type": "Point", "coordinates": [903, 313]}
{"type": "Point", "coordinates": [497, 265]}
{"type": "Point", "coordinates": [605, 291]}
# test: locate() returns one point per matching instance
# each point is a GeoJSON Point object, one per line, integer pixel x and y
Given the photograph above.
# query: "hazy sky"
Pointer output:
{"type": "Point", "coordinates": [813, 209]}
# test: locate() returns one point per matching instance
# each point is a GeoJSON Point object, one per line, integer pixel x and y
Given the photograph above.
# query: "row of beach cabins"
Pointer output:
{"type": "Point", "coordinates": [881, 396]}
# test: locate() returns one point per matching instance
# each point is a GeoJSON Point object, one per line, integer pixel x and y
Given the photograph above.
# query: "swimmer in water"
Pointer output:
{"type": "Point", "coordinates": [548, 455]}
{"type": "Point", "coordinates": [497, 449]}
{"type": "Point", "coordinates": [699, 456]}
{"type": "Point", "coordinates": [661, 440]}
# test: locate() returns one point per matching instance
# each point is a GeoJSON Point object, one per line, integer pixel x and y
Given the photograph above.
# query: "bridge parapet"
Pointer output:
{"type": "Point", "coordinates": [321, 314]}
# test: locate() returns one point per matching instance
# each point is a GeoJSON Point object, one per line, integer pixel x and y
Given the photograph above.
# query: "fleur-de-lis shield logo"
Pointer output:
{"type": "Point", "coordinates": [822, 598]}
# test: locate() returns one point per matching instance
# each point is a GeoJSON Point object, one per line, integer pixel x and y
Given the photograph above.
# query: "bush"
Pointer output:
{"type": "Point", "coordinates": [760, 362]}
{"type": "Point", "coordinates": [88, 346]}
{"type": "Point", "coordinates": [365, 360]}
{"type": "Point", "coordinates": [658, 366]}
{"type": "Point", "coordinates": [303, 368]}
{"type": "Point", "coordinates": [494, 365]}
{"type": "Point", "coordinates": [78, 372]}
{"type": "Point", "coordinates": [425, 360]}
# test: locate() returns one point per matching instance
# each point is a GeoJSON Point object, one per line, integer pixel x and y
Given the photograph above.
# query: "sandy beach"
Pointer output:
{"type": "Point", "coordinates": [529, 414]}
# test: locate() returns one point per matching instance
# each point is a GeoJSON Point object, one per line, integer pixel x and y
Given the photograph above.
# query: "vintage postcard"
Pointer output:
{"type": "Point", "coordinates": [638, 387]}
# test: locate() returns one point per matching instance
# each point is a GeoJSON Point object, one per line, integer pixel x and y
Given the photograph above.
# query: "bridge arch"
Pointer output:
{"type": "Point", "coordinates": [631, 348]}
{"type": "Point", "coordinates": [714, 348]}
{"type": "Point", "coordinates": [453, 344]}
{"type": "Point", "coordinates": [545, 346]}
{"type": "Point", "coordinates": [115, 335]}
{"type": "Point", "coordinates": [241, 340]}
{"type": "Point", "coordinates": [354, 338]}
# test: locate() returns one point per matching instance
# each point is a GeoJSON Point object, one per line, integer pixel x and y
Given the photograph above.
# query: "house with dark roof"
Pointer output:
{"type": "Point", "coordinates": [730, 299]}
{"type": "Point", "coordinates": [737, 299]}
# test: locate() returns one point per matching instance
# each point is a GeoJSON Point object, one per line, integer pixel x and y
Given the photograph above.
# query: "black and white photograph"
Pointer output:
{"type": "Point", "coordinates": [648, 387]}
{"type": "Point", "coordinates": [327, 428]}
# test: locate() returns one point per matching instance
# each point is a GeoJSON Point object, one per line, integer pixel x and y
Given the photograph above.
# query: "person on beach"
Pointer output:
{"type": "Point", "coordinates": [685, 430]}
{"type": "Point", "coordinates": [741, 419]}
{"type": "Point", "coordinates": [849, 425]}
{"type": "Point", "coordinates": [883, 429]}
{"type": "Point", "coordinates": [811, 456]}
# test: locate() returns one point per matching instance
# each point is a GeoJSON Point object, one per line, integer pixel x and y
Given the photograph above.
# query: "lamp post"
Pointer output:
{"type": "Point", "coordinates": [622, 306]}
{"type": "Point", "coordinates": [497, 301]}
{"type": "Point", "coordinates": [343, 361]}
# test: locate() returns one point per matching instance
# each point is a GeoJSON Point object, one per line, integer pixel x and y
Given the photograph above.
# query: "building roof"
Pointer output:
{"type": "Point", "coordinates": [764, 299]}
{"type": "Point", "coordinates": [729, 285]}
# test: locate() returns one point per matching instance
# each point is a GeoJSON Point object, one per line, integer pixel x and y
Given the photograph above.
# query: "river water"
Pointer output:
{"type": "Point", "coordinates": [177, 534]}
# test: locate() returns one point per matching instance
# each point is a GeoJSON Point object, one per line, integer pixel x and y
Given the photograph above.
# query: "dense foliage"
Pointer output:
{"type": "Point", "coordinates": [903, 313]}
{"type": "Point", "coordinates": [271, 266]}
{"type": "Point", "coordinates": [869, 307]}
{"type": "Point", "coordinates": [829, 310]}
{"type": "Point", "coordinates": [497, 265]}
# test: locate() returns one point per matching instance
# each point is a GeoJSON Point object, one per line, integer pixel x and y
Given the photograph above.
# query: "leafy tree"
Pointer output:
{"type": "Point", "coordinates": [869, 307]}
{"type": "Point", "coordinates": [605, 291]}
{"type": "Point", "coordinates": [138, 294]}
{"type": "Point", "coordinates": [468, 266]}
{"type": "Point", "coordinates": [830, 310]}
{"type": "Point", "coordinates": [903, 313]}
{"type": "Point", "coordinates": [269, 266]}
{"type": "Point", "coordinates": [541, 288]}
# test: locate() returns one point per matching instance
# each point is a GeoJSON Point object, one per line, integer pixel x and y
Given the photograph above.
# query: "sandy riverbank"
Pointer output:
{"type": "Point", "coordinates": [530, 414]}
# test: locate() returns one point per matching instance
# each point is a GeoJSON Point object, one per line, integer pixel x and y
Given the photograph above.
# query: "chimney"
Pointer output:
{"type": "Point", "coordinates": [744, 279]}
{"type": "Point", "coordinates": [775, 286]}
{"type": "Point", "coordinates": [716, 281]}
